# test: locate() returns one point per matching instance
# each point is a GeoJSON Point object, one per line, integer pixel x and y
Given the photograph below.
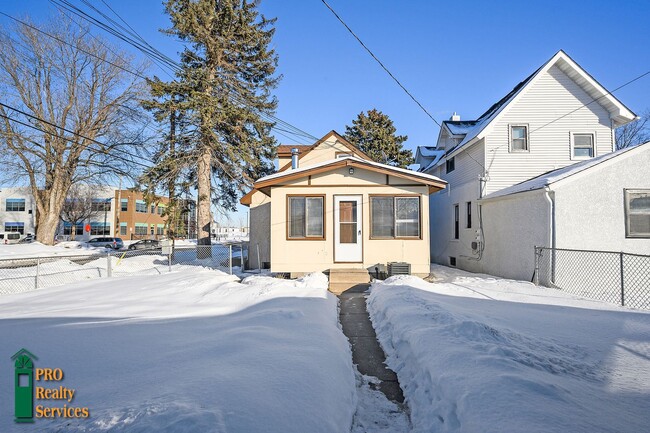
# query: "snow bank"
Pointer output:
{"type": "Point", "coordinates": [478, 354]}
{"type": "Point", "coordinates": [37, 249]}
{"type": "Point", "coordinates": [192, 351]}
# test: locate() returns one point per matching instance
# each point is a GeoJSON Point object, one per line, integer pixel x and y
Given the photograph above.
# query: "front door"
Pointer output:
{"type": "Point", "coordinates": [347, 229]}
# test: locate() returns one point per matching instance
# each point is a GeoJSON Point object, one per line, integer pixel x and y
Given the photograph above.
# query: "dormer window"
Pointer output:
{"type": "Point", "coordinates": [518, 138]}
{"type": "Point", "coordinates": [582, 146]}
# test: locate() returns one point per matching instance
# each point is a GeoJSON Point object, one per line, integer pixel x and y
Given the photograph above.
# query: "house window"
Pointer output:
{"type": "Point", "coordinates": [125, 204]}
{"type": "Point", "coordinates": [15, 205]}
{"type": "Point", "coordinates": [15, 227]}
{"type": "Point", "coordinates": [469, 215]}
{"type": "Point", "coordinates": [518, 138]}
{"type": "Point", "coordinates": [140, 206]}
{"type": "Point", "coordinates": [637, 213]}
{"type": "Point", "coordinates": [394, 217]}
{"type": "Point", "coordinates": [582, 146]}
{"type": "Point", "coordinates": [451, 164]}
{"type": "Point", "coordinates": [306, 216]}
{"type": "Point", "coordinates": [456, 221]}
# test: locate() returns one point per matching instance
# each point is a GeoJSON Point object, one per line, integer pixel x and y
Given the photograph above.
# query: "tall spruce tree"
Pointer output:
{"type": "Point", "coordinates": [226, 78]}
{"type": "Point", "coordinates": [374, 134]}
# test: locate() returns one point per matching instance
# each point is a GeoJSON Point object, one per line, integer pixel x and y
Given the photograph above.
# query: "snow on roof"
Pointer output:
{"type": "Point", "coordinates": [289, 172]}
{"type": "Point", "coordinates": [428, 151]}
{"type": "Point", "coordinates": [434, 162]}
{"type": "Point", "coordinates": [553, 176]}
{"type": "Point", "coordinates": [460, 127]}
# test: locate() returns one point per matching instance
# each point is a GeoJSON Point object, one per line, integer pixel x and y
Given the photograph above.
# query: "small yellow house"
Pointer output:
{"type": "Point", "coordinates": [330, 207]}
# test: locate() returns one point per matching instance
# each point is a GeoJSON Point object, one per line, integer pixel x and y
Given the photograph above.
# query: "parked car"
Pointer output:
{"type": "Point", "coordinates": [9, 237]}
{"type": "Point", "coordinates": [146, 244]}
{"type": "Point", "coordinates": [29, 238]}
{"type": "Point", "coordinates": [114, 243]}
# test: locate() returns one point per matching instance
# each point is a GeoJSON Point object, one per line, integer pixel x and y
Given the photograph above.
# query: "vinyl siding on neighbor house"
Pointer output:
{"type": "Point", "coordinates": [553, 95]}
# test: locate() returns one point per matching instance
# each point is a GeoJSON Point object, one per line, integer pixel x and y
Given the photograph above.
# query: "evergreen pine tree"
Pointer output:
{"type": "Point", "coordinates": [226, 78]}
{"type": "Point", "coordinates": [374, 134]}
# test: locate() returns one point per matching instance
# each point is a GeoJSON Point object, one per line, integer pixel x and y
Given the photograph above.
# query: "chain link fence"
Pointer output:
{"type": "Point", "coordinates": [618, 278]}
{"type": "Point", "coordinates": [25, 274]}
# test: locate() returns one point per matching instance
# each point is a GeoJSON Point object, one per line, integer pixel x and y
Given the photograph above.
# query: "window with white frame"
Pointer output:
{"type": "Point", "coordinates": [582, 146]}
{"type": "Point", "coordinates": [394, 217]}
{"type": "Point", "coordinates": [518, 138]}
{"type": "Point", "coordinates": [305, 217]}
{"type": "Point", "coordinates": [637, 213]}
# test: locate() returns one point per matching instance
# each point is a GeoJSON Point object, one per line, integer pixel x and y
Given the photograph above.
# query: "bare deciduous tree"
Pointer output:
{"type": "Point", "coordinates": [77, 207]}
{"type": "Point", "coordinates": [634, 133]}
{"type": "Point", "coordinates": [67, 114]}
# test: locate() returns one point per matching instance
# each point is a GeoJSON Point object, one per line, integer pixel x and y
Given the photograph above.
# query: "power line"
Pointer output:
{"type": "Point", "coordinates": [380, 63]}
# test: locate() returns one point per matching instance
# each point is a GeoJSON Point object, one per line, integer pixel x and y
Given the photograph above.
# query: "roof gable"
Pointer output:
{"type": "Point", "coordinates": [618, 111]}
{"type": "Point", "coordinates": [327, 138]}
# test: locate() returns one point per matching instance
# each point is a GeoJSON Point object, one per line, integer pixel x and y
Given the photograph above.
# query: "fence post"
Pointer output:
{"type": "Point", "coordinates": [241, 257]}
{"type": "Point", "coordinates": [538, 252]}
{"type": "Point", "coordinates": [38, 265]}
{"type": "Point", "coordinates": [622, 280]}
{"type": "Point", "coordinates": [230, 258]}
{"type": "Point", "coordinates": [169, 260]}
{"type": "Point", "coordinates": [259, 264]}
{"type": "Point", "coordinates": [109, 265]}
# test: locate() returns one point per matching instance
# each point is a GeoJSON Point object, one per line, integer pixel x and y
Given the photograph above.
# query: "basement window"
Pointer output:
{"type": "Point", "coordinates": [452, 261]}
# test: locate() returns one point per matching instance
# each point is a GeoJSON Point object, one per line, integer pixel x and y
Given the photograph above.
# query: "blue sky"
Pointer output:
{"type": "Point", "coordinates": [453, 56]}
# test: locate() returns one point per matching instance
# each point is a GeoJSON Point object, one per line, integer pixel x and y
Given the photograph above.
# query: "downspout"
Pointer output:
{"type": "Point", "coordinates": [550, 199]}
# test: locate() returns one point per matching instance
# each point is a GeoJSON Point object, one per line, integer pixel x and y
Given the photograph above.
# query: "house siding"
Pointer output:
{"type": "Point", "coordinates": [260, 230]}
{"type": "Point", "coordinates": [553, 95]}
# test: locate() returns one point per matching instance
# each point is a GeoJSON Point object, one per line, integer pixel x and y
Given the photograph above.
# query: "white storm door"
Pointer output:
{"type": "Point", "coordinates": [348, 245]}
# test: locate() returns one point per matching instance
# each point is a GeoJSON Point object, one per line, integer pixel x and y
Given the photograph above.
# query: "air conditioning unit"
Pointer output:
{"type": "Point", "coordinates": [399, 268]}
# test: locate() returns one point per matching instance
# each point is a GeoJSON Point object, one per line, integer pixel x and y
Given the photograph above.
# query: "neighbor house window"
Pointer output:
{"type": "Point", "coordinates": [15, 205]}
{"type": "Point", "coordinates": [469, 215]}
{"type": "Point", "coordinates": [15, 227]}
{"type": "Point", "coordinates": [456, 222]}
{"type": "Point", "coordinates": [451, 165]}
{"type": "Point", "coordinates": [637, 213]}
{"type": "Point", "coordinates": [518, 138]}
{"type": "Point", "coordinates": [140, 206]}
{"type": "Point", "coordinates": [394, 217]}
{"type": "Point", "coordinates": [306, 216]}
{"type": "Point", "coordinates": [124, 204]}
{"type": "Point", "coordinates": [582, 146]}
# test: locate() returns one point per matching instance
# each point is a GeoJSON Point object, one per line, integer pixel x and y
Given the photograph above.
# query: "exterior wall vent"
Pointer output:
{"type": "Point", "coordinates": [399, 268]}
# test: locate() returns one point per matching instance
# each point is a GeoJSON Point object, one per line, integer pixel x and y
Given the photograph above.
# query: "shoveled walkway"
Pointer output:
{"type": "Point", "coordinates": [367, 354]}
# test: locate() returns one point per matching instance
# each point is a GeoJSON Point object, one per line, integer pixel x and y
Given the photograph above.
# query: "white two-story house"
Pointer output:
{"type": "Point", "coordinates": [557, 117]}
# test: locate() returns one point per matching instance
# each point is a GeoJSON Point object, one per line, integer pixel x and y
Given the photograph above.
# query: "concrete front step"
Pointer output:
{"type": "Point", "coordinates": [345, 279]}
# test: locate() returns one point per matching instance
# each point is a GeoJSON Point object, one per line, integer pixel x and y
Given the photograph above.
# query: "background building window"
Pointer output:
{"type": "Point", "coordinates": [140, 206]}
{"type": "Point", "coordinates": [519, 138]}
{"type": "Point", "coordinates": [97, 228]}
{"type": "Point", "coordinates": [394, 217]}
{"type": "Point", "coordinates": [15, 205]}
{"type": "Point", "coordinates": [306, 217]}
{"type": "Point", "coordinates": [160, 229]}
{"type": "Point", "coordinates": [637, 213]}
{"type": "Point", "coordinates": [101, 205]}
{"type": "Point", "coordinates": [15, 227]}
{"type": "Point", "coordinates": [123, 229]}
{"type": "Point", "coordinates": [141, 229]}
{"type": "Point", "coordinates": [456, 222]}
{"type": "Point", "coordinates": [583, 146]}
{"type": "Point", "coordinates": [125, 204]}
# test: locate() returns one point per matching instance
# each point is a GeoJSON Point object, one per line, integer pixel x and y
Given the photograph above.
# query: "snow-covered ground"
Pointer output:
{"type": "Point", "coordinates": [475, 353]}
{"type": "Point", "coordinates": [190, 351]}
{"type": "Point", "coordinates": [37, 249]}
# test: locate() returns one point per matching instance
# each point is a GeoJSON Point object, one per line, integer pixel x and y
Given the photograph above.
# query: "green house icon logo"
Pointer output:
{"type": "Point", "coordinates": [24, 385]}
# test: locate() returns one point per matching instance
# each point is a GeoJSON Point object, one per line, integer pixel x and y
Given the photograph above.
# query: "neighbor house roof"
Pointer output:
{"type": "Point", "coordinates": [551, 177]}
{"type": "Point", "coordinates": [266, 182]}
{"type": "Point", "coordinates": [477, 129]}
{"type": "Point", "coordinates": [284, 150]}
